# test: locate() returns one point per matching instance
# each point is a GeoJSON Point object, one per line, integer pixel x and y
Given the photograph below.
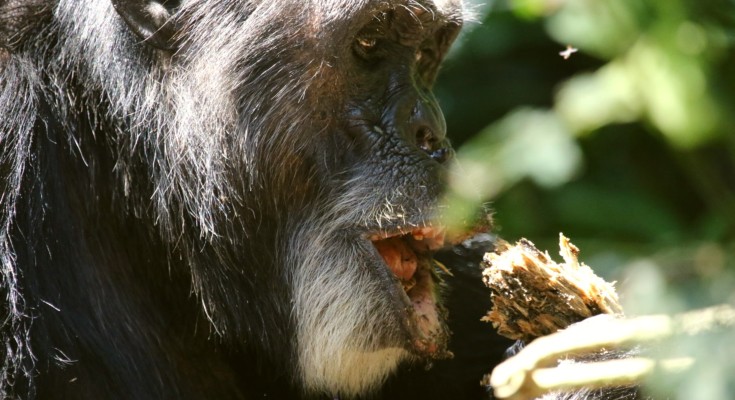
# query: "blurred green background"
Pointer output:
{"type": "Point", "coordinates": [627, 146]}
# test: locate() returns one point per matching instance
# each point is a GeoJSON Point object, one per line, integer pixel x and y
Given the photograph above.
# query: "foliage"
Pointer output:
{"type": "Point", "coordinates": [627, 146]}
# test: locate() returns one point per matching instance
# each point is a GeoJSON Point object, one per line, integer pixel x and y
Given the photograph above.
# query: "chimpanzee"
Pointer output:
{"type": "Point", "coordinates": [229, 199]}
{"type": "Point", "coordinates": [210, 199]}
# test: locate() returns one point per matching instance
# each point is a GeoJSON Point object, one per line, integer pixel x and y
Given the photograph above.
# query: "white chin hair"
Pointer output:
{"type": "Point", "coordinates": [353, 373]}
{"type": "Point", "coordinates": [342, 316]}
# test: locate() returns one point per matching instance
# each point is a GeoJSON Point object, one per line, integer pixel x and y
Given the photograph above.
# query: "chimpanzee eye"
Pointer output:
{"type": "Point", "coordinates": [368, 48]}
{"type": "Point", "coordinates": [424, 57]}
{"type": "Point", "coordinates": [366, 43]}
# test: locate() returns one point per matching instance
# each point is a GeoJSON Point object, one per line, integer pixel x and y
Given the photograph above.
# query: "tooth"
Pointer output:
{"type": "Point", "coordinates": [443, 268]}
{"type": "Point", "coordinates": [408, 284]}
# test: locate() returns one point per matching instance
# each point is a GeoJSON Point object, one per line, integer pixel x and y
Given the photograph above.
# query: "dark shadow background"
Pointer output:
{"type": "Point", "coordinates": [627, 146]}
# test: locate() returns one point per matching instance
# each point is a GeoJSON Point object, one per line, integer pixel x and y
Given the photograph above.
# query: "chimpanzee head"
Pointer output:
{"type": "Point", "coordinates": [290, 156]}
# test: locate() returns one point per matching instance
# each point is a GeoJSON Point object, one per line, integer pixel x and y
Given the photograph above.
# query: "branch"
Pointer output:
{"type": "Point", "coordinates": [525, 375]}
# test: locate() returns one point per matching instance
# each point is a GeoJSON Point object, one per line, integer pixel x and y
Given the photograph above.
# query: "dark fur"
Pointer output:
{"type": "Point", "coordinates": [188, 224]}
{"type": "Point", "coordinates": [174, 224]}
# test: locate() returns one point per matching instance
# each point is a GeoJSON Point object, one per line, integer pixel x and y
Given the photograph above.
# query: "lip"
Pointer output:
{"type": "Point", "coordinates": [407, 254]}
{"type": "Point", "coordinates": [434, 233]}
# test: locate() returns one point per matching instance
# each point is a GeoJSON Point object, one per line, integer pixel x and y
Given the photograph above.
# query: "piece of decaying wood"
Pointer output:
{"type": "Point", "coordinates": [534, 296]}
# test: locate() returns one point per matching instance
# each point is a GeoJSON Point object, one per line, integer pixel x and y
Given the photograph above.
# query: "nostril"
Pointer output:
{"type": "Point", "coordinates": [425, 139]}
{"type": "Point", "coordinates": [439, 150]}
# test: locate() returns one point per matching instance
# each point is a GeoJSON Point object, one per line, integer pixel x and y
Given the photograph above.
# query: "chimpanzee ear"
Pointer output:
{"type": "Point", "coordinates": [150, 20]}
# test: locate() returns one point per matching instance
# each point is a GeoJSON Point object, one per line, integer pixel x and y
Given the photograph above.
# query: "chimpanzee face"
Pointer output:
{"type": "Point", "coordinates": [290, 156]}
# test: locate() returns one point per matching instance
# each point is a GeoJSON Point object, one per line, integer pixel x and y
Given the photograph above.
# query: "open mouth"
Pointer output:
{"type": "Point", "coordinates": [409, 256]}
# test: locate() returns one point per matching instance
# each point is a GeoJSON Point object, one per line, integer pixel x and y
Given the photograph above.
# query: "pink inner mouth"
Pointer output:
{"type": "Point", "coordinates": [408, 256]}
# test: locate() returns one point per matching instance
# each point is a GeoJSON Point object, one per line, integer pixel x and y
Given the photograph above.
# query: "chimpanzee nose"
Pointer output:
{"type": "Point", "coordinates": [430, 129]}
{"type": "Point", "coordinates": [433, 144]}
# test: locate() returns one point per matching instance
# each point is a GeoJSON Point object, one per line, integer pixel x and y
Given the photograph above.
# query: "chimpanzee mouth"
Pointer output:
{"type": "Point", "coordinates": [408, 254]}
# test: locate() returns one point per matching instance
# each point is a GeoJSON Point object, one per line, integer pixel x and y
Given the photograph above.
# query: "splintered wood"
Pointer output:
{"type": "Point", "coordinates": [534, 296]}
